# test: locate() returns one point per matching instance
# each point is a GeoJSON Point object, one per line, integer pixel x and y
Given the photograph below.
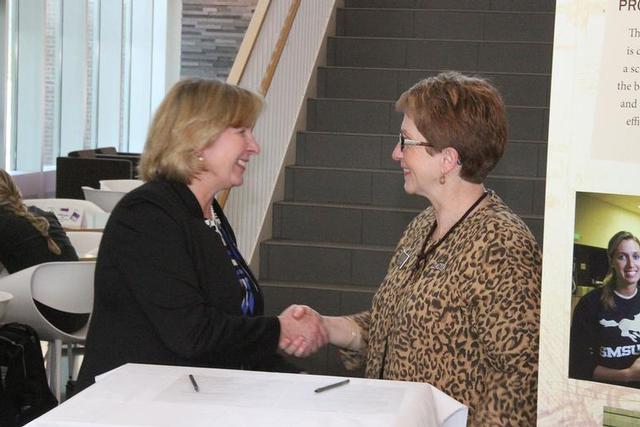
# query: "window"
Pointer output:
{"type": "Point", "coordinates": [75, 71]}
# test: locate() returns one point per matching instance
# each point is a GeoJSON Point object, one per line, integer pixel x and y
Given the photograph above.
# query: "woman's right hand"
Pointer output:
{"type": "Point", "coordinates": [302, 331]}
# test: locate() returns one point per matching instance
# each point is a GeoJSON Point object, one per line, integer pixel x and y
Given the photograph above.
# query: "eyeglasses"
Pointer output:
{"type": "Point", "coordinates": [407, 142]}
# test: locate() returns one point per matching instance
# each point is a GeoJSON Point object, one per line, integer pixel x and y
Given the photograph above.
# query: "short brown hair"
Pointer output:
{"type": "Point", "coordinates": [462, 112]}
{"type": "Point", "coordinates": [192, 115]}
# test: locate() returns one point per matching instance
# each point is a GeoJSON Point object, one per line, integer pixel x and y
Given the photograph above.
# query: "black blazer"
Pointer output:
{"type": "Point", "coordinates": [166, 291]}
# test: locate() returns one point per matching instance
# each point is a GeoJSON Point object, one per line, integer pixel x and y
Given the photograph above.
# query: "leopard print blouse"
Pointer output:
{"type": "Point", "coordinates": [466, 320]}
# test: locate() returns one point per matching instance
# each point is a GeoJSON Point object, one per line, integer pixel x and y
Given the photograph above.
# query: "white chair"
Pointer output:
{"type": "Point", "coordinates": [125, 185]}
{"type": "Point", "coordinates": [70, 212]}
{"type": "Point", "coordinates": [105, 199]}
{"type": "Point", "coordinates": [86, 243]}
{"type": "Point", "coordinates": [5, 299]}
{"type": "Point", "coordinates": [63, 286]}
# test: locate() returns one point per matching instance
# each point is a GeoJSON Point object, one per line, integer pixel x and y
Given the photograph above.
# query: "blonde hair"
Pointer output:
{"type": "Point", "coordinates": [11, 200]}
{"type": "Point", "coordinates": [190, 118]}
{"type": "Point", "coordinates": [610, 279]}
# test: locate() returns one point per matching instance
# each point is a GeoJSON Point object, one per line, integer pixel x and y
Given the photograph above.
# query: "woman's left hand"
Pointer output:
{"type": "Point", "coordinates": [311, 333]}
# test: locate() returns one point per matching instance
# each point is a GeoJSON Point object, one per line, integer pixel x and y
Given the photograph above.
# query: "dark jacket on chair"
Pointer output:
{"type": "Point", "coordinates": [22, 246]}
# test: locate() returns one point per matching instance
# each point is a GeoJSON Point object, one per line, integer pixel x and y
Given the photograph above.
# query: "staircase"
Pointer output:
{"type": "Point", "coordinates": [345, 206]}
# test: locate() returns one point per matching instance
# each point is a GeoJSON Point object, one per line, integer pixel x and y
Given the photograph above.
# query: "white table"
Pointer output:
{"type": "Point", "coordinates": [89, 221]}
{"type": "Point", "coordinates": [151, 395]}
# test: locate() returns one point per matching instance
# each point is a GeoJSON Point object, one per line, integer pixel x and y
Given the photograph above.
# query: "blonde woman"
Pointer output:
{"type": "Point", "coordinates": [31, 236]}
{"type": "Point", "coordinates": [28, 236]}
{"type": "Point", "coordinates": [605, 338]}
{"type": "Point", "coordinates": [171, 286]}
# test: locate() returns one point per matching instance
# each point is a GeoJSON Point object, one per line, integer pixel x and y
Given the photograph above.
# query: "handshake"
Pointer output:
{"type": "Point", "coordinates": [303, 331]}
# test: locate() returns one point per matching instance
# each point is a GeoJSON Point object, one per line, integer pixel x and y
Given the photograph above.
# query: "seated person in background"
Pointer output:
{"type": "Point", "coordinates": [30, 236]}
{"type": "Point", "coordinates": [171, 286]}
{"type": "Point", "coordinates": [605, 330]}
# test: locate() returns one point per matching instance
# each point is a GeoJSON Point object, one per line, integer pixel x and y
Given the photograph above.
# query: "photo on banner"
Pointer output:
{"type": "Point", "coordinates": [593, 164]}
{"type": "Point", "coordinates": [605, 326]}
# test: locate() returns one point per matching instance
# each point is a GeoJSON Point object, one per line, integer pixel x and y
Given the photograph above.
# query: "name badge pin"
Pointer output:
{"type": "Point", "coordinates": [403, 258]}
{"type": "Point", "coordinates": [440, 266]}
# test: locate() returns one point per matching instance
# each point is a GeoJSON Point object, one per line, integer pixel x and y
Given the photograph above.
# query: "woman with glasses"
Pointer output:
{"type": "Point", "coordinates": [459, 306]}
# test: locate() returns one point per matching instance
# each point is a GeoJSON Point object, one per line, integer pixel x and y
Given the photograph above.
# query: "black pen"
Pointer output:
{"type": "Point", "coordinates": [194, 383]}
{"type": "Point", "coordinates": [330, 386]}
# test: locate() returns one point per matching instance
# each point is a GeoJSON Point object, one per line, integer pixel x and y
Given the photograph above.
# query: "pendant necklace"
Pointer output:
{"type": "Point", "coordinates": [211, 222]}
{"type": "Point", "coordinates": [424, 253]}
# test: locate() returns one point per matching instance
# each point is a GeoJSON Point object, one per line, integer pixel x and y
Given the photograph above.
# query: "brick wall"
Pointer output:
{"type": "Point", "coordinates": [212, 31]}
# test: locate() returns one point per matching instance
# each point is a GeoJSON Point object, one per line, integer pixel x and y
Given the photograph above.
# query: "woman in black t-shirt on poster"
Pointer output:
{"type": "Point", "coordinates": [605, 331]}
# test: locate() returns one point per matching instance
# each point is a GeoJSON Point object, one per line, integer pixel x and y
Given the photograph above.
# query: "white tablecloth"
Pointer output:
{"type": "Point", "coordinates": [151, 395]}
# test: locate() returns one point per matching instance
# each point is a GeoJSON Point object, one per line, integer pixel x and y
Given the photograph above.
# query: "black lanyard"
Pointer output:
{"type": "Point", "coordinates": [423, 255]}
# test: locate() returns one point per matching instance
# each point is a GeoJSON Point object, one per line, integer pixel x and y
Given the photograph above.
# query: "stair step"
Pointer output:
{"type": "Point", "coordinates": [480, 56]}
{"type": "Point", "coordinates": [446, 24]}
{"type": "Point", "coordinates": [503, 5]}
{"type": "Point", "coordinates": [388, 84]}
{"type": "Point", "coordinates": [346, 150]}
{"type": "Point", "coordinates": [370, 187]}
{"type": "Point", "coordinates": [352, 224]}
{"type": "Point", "coordinates": [380, 117]}
{"type": "Point", "coordinates": [371, 151]}
{"type": "Point", "coordinates": [338, 264]}
{"type": "Point", "coordinates": [340, 223]}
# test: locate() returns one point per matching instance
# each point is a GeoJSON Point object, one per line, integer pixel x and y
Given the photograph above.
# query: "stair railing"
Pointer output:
{"type": "Point", "coordinates": [293, 39]}
{"type": "Point", "coordinates": [248, 42]}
